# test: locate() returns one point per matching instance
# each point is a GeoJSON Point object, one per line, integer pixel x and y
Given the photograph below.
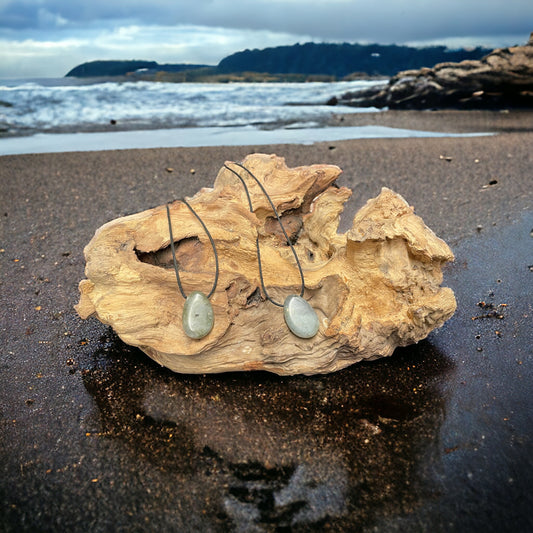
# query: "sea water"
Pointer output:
{"type": "Point", "coordinates": [67, 105]}
{"type": "Point", "coordinates": [61, 115]}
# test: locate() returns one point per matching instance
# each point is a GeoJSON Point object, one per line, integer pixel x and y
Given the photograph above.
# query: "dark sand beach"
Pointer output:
{"type": "Point", "coordinates": [94, 436]}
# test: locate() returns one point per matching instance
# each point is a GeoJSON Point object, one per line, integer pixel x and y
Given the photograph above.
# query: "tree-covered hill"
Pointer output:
{"type": "Point", "coordinates": [334, 60]}
{"type": "Point", "coordinates": [342, 59]}
{"type": "Point", "coordinates": [121, 68]}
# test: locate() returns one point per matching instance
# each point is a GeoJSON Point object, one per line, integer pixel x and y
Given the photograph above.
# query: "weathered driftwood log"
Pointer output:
{"type": "Point", "coordinates": [374, 288]}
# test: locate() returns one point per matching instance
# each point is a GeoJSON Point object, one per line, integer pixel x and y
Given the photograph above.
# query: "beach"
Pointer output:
{"type": "Point", "coordinates": [96, 437]}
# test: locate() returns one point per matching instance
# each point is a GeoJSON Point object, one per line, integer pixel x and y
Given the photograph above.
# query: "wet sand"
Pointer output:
{"type": "Point", "coordinates": [449, 120]}
{"type": "Point", "coordinates": [95, 437]}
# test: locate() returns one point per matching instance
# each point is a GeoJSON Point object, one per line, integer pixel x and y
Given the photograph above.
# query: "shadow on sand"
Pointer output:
{"type": "Point", "coordinates": [270, 452]}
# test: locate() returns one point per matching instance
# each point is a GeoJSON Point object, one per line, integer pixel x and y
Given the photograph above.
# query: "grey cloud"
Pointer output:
{"type": "Point", "coordinates": [340, 20]}
{"type": "Point", "coordinates": [18, 15]}
{"type": "Point", "coordinates": [384, 21]}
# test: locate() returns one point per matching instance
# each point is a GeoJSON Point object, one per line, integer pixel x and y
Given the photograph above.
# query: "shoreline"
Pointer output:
{"type": "Point", "coordinates": [335, 127]}
{"type": "Point", "coordinates": [205, 137]}
{"type": "Point", "coordinates": [444, 120]}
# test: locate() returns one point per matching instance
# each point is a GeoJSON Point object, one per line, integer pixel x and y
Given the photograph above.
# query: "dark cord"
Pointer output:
{"type": "Point", "coordinates": [176, 269]}
{"type": "Point", "coordinates": [267, 296]}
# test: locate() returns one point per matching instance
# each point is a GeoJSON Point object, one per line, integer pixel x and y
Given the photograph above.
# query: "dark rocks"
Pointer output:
{"type": "Point", "coordinates": [503, 78]}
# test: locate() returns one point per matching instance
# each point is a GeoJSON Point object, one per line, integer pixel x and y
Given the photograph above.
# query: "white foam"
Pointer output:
{"type": "Point", "coordinates": [189, 137]}
{"type": "Point", "coordinates": [44, 108]}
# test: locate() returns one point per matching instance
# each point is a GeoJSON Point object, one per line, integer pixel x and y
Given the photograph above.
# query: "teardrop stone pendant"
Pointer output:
{"type": "Point", "coordinates": [300, 317]}
{"type": "Point", "coordinates": [198, 317]}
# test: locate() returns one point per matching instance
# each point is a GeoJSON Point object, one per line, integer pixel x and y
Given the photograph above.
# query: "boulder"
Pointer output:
{"type": "Point", "coordinates": [502, 79]}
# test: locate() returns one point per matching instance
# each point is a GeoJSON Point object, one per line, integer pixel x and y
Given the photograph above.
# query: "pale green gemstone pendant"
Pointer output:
{"type": "Point", "coordinates": [198, 317]}
{"type": "Point", "coordinates": [300, 317]}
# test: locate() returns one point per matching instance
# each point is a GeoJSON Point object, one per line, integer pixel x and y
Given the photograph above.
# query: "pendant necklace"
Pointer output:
{"type": "Point", "coordinates": [299, 316]}
{"type": "Point", "coordinates": [198, 317]}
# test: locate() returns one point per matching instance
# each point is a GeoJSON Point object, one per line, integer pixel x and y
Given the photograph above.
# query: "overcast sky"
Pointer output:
{"type": "Point", "coordinates": [49, 37]}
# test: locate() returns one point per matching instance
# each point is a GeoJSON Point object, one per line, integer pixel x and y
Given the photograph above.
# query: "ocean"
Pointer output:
{"type": "Point", "coordinates": [66, 114]}
{"type": "Point", "coordinates": [66, 105]}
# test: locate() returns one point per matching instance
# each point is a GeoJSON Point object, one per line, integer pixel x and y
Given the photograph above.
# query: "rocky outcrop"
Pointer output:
{"type": "Point", "coordinates": [502, 79]}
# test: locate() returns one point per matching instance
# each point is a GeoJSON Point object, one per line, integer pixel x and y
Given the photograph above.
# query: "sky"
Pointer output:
{"type": "Point", "coordinates": [46, 38]}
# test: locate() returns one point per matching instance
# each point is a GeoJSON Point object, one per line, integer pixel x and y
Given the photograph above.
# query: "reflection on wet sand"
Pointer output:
{"type": "Point", "coordinates": [257, 452]}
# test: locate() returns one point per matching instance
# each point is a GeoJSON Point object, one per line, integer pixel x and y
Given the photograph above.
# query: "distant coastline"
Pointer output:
{"type": "Point", "coordinates": [323, 62]}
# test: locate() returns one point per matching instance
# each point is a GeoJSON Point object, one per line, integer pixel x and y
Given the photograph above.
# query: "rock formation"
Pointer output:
{"type": "Point", "coordinates": [502, 79]}
{"type": "Point", "coordinates": [374, 288]}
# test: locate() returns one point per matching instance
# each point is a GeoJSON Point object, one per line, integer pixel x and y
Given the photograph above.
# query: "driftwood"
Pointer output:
{"type": "Point", "coordinates": [374, 288]}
